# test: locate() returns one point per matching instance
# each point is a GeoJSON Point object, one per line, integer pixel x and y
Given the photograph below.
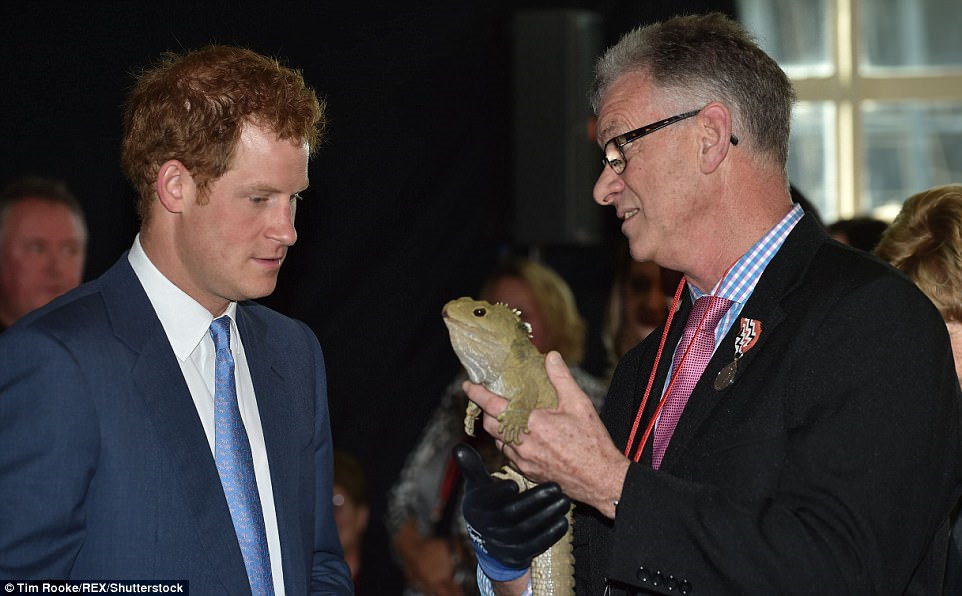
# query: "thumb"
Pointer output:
{"type": "Point", "coordinates": [471, 465]}
{"type": "Point", "coordinates": [557, 370]}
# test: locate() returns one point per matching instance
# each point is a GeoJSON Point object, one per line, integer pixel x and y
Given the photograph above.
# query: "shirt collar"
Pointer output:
{"type": "Point", "coordinates": [741, 279]}
{"type": "Point", "coordinates": [184, 320]}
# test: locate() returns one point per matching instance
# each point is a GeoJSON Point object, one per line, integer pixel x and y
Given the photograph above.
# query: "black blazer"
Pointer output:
{"type": "Point", "coordinates": [829, 466]}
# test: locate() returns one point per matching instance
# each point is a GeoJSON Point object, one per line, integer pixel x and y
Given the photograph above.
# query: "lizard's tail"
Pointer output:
{"type": "Point", "coordinates": [552, 572]}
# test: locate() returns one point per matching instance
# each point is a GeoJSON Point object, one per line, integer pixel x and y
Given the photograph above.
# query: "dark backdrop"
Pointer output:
{"type": "Point", "coordinates": [410, 200]}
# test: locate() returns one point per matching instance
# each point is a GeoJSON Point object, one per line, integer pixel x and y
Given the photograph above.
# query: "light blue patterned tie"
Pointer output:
{"type": "Point", "coordinates": [232, 453]}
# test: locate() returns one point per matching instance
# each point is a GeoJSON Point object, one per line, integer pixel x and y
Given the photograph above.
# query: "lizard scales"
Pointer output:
{"type": "Point", "coordinates": [494, 345]}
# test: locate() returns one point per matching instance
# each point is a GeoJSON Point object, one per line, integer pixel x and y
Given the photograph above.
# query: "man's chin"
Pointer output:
{"type": "Point", "coordinates": [261, 290]}
{"type": "Point", "coordinates": [639, 251]}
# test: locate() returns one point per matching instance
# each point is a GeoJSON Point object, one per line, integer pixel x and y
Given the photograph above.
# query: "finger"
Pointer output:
{"type": "Point", "coordinates": [492, 507]}
{"type": "Point", "coordinates": [541, 501]}
{"type": "Point", "coordinates": [560, 377]}
{"type": "Point", "coordinates": [491, 403]}
{"type": "Point", "coordinates": [491, 500]}
{"type": "Point", "coordinates": [518, 553]}
{"type": "Point", "coordinates": [558, 372]}
{"type": "Point", "coordinates": [491, 427]}
{"type": "Point", "coordinates": [471, 465]}
{"type": "Point", "coordinates": [538, 522]}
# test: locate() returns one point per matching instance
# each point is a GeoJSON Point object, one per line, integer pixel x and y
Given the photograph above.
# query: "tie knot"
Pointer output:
{"type": "Point", "coordinates": [712, 308]}
{"type": "Point", "coordinates": [220, 332]}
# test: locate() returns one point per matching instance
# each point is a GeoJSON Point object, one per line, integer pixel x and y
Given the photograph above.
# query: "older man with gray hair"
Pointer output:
{"type": "Point", "coordinates": [795, 429]}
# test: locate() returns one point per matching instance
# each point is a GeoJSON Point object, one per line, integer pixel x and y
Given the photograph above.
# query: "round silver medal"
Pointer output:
{"type": "Point", "coordinates": [726, 376]}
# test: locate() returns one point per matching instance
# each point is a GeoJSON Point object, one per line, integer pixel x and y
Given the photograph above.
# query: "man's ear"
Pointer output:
{"type": "Point", "coordinates": [175, 185]}
{"type": "Point", "coordinates": [715, 123]}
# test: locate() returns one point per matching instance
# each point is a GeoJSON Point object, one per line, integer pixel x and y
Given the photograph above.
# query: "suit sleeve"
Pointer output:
{"type": "Point", "coordinates": [50, 443]}
{"type": "Point", "coordinates": [329, 572]}
{"type": "Point", "coordinates": [868, 435]}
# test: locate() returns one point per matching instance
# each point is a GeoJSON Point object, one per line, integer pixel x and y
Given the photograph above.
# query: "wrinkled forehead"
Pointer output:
{"type": "Point", "coordinates": [630, 101]}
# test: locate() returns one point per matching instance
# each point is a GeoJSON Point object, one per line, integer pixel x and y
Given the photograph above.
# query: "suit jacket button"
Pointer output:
{"type": "Point", "coordinates": [658, 580]}
{"type": "Point", "coordinates": [672, 583]}
{"type": "Point", "coordinates": [643, 574]}
{"type": "Point", "coordinates": [684, 587]}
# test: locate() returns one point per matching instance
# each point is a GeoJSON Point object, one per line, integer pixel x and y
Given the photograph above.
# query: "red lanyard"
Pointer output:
{"type": "Point", "coordinates": [654, 371]}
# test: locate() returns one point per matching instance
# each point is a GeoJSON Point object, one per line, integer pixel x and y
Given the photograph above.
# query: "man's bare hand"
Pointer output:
{"type": "Point", "coordinates": [568, 445]}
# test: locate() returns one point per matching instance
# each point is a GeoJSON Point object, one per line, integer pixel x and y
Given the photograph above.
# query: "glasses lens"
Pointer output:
{"type": "Point", "coordinates": [614, 157]}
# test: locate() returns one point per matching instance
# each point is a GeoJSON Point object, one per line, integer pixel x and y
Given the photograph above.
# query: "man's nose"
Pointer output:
{"type": "Point", "coordinates": [607, 186]}
{"type": "Point", "coordinates": [282, 224]}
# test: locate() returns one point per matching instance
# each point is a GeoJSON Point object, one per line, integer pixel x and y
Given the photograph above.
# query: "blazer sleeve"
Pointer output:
{"type": "Point", "coordinates": [48, 430]}
{"type": "Point", "coordinates": [329, 572]}
{"type": "Point", "coordinates": [863, 407]}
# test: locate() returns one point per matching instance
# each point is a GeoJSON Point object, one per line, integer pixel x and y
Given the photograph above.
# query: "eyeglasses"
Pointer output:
{"type": "Point", "coordinates": [614, 154]}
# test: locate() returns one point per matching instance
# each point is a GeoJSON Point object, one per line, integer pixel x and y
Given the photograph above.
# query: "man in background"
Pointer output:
{"type": "Point", "coordinates": [43, 245]}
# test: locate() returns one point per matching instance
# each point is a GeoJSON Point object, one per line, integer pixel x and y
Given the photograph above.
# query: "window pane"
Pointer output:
{"type": "Point", "coordinates": [909, 146]}
{"type": "Point", "coordinates": [917, 33]}
{"type": "Point", "coordinates": [811, 155]}
{"type": "Point", "coordinates": [796, 34]}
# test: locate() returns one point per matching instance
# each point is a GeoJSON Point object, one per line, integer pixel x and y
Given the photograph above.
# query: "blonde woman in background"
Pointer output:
{"type": "Point", "coordinates": [925, 243]}
{"type": "Point", "coordinates": [424, 506]}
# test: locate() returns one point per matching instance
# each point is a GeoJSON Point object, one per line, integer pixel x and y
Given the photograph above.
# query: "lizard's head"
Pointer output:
{"type": "Point", "coordinates": [482, 334]}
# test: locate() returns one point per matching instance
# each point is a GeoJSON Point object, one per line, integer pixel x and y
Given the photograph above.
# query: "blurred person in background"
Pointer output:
{"type": "Point", "coordinates": [43, 245]}
{"type": "Point", "coordinates": [637, 304]}
{"type": "Point", "coordinates": [424, 513]}
{"type": "Point", "coordinates": [352, 511]}
{"type": "Point", "coordinates": [863, 233]}
{"type": "Point", "coordinates": [925, 242]}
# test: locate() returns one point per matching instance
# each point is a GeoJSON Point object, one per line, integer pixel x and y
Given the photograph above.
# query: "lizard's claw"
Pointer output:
{"type": "Point", "coordinates": [512, 424]}
{"type": "Point", "coordinates": [470, 416]}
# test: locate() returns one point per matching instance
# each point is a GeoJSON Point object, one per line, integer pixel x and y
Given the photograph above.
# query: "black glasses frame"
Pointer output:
{"type": "Point", "coordinates": [620, 162]}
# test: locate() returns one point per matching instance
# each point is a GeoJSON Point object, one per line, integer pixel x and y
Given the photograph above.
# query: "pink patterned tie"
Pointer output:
{"type": "Point", "coordinates": [711, 309]}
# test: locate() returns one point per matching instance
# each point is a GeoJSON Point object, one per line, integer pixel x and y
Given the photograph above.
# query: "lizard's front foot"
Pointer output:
{"type": "Point", "coordinates": [512, 424]}
{"type": "Point", "coordinates": [470, 415]}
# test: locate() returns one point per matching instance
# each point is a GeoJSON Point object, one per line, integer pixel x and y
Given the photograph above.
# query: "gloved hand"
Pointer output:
{"type": "Point", "coordinates": [508, 528]}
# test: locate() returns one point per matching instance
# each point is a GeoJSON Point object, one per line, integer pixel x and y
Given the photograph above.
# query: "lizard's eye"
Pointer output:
{"type": "Point", "coordinates": [479, 312]}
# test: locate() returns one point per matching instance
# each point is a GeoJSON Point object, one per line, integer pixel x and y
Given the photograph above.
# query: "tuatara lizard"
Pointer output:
{"type": "Point", "coordinates": [494, 345]}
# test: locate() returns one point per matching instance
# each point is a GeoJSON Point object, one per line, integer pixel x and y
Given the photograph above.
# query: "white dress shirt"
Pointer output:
{"type": "Point", "coordinates": [187, 325]}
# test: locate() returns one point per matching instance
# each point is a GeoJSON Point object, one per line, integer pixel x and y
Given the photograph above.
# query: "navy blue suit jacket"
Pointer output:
{"type": "Point", "coordinates": [105, 470]}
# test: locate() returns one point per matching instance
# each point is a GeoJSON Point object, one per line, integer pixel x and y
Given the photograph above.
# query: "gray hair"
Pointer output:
{"type": "Point", "coordinates": [699, 59]}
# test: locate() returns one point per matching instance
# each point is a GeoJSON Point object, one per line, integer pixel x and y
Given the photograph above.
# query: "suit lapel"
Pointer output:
{"type": "Point", "coordinates": [273, 392]}
{"type": "Point", "coordinates": [781, 276]}
{"type": "Point", "coordinates": [173, 416]}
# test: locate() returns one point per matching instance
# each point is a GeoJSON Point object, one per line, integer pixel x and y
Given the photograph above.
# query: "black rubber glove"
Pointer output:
{"type": "Point", "coordinates": [508, 527]}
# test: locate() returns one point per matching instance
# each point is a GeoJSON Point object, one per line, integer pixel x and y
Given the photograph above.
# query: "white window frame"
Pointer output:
{"type": "Point", "coordinates": [847, 87]}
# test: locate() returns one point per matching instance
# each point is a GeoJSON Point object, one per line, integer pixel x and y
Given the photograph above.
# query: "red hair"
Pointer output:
{"type": "Point", "coordinates": [193, 107]}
